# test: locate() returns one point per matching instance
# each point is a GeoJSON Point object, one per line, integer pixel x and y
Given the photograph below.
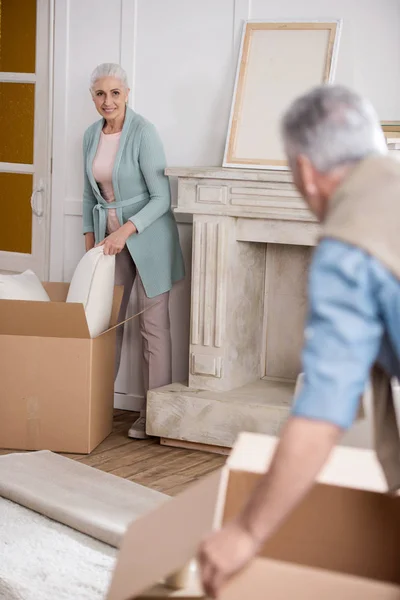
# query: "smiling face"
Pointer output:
{"type": "Point", "coordinates": [110, 98]}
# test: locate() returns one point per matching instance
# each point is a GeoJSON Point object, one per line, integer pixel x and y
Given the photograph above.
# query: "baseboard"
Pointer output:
{"type": "Point", "coordinates": [128, 402]}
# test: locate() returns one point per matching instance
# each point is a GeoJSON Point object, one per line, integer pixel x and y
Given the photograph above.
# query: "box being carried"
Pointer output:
{"type": "Point", "coordinates": [341, 543]}
{"type": "Point", "coordinates": [56, 383]}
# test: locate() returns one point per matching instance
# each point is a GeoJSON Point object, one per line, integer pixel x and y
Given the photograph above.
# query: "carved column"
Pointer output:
{"type": "Point", "coordinates": [227, 304]}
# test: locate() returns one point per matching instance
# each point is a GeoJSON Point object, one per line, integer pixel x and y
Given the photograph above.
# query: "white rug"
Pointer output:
{"type": "Point", "coordinates": [49, 506]}
{"type": "Point", "coordinates": [44, 560]}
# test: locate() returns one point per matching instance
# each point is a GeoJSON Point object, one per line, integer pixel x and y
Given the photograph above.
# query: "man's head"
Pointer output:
{"type": "Point", "coordinates": [325, 133]}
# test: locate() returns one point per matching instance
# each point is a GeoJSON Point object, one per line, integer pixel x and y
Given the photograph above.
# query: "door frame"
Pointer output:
{"type": "Point", "coordinates": [39, 258]}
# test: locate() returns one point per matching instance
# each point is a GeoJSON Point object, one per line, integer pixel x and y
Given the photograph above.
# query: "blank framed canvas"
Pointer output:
{"type": "Point", "coordinates": [277, 63]}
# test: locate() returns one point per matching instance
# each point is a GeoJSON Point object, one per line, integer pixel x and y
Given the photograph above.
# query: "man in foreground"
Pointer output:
{"type": "Point", "coordinates": [338, 156]}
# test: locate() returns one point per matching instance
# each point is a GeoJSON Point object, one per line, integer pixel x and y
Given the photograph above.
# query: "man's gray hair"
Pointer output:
{"type": "Point", "coordinates": [332, 126]}
{"type": "Point", "coordinates": [109, 70]}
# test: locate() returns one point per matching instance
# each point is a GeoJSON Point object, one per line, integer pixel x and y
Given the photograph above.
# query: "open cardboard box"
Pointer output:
{"type": "Point", "coordinates": [56, 383]}
{"type": "Point", "coordinates": [341, 543]}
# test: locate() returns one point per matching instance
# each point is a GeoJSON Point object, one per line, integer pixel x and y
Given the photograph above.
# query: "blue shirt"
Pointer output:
{"type": "Point", "coordinates": [353, 321]}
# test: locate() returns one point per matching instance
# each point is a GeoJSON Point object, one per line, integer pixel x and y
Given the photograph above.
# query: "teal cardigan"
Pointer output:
{"type": "Point", "coordinates": [142, 195]}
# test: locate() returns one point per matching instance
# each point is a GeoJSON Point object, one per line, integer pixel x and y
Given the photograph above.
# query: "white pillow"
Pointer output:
{"type": "Point", "coordinates": [93, 286]}
{"type": "Point", "coordinates": [24, 286]}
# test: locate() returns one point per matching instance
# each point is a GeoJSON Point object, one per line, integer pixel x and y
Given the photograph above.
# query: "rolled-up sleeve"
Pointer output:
{"type": "Point", "coordinates": [342, 337]}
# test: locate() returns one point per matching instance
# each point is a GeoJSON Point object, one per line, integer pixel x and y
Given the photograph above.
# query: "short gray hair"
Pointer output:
{"type": "Point", "coordinates": [109, 70]}
{"type": "Point", "coordinates": [332, 126]}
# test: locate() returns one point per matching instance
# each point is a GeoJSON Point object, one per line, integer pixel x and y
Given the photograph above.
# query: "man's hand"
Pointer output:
{"type": "Point", "coordinates": [223, 554]}
{"type": "Point", "coordinates": [300, 454]}
{"type": "Point", "coordinates": [115, 242]}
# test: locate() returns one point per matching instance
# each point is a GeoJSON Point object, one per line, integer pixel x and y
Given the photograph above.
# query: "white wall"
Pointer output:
{"type": "Point", "coordinates": [370, 44]}
{"type": "Point", "coordinates": [181, 57]}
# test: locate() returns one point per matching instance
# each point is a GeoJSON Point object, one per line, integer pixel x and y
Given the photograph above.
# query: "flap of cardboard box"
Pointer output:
{"type": "Point", "coordinates": [164, 540]}
{"type": "Point", "coordinates": [57, 318]}
{"type": "Point", "coordinates": [349, 467]}
{"type": "Point", "coordinates": [56, 291]}
{"type": "Point", "coordinates": [118, 293]}
{"type": "Point", "coordinates": [277, 580]}
{"type": "Point", "coordinates": [43, 319]}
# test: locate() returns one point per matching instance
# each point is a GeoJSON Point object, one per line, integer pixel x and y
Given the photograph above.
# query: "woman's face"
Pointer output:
{"type": "Point", "coordinates": [110, 97]}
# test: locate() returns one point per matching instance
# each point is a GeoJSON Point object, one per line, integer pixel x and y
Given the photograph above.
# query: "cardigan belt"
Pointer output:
{"type": "Point", "coordinates": [100, 215]}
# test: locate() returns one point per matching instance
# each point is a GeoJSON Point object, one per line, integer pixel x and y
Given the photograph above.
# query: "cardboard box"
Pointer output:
{"type": "Point", "coordinates": [340, 543]}
{"type": "Point", "coordinates": [56, 383]}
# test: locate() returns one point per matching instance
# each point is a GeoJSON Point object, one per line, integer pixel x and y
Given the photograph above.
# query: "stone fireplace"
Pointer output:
{"type": "Point", "coordinates": [252, 239]}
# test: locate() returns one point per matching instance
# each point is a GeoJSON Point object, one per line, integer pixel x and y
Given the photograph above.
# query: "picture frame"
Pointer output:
{"type": "Point", "coordinates": [391, 130]}
{"type": "Point", "coordinates": [278, 61]}
{"type": "Point", "coordinates": [390, 126]}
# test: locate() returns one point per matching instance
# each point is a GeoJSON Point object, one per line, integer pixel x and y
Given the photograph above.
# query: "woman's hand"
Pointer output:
{"type": "Point", "coordinates": [115, 242]}
{"type": "Point", "coordinates": [89, 241]}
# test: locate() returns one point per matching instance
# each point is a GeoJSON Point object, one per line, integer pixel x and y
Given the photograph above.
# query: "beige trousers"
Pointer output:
{"type": "Point", "coordinates": [154, 325]}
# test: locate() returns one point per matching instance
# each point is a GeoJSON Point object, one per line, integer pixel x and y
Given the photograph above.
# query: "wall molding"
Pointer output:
{"type": "Point", "coordinates": [241, 12]}
{"type": "Point", "coordinates": [60, 131]}
{"type": "Point", "coordinates": [131, 402]}
{"type": "Point", "coordinates": [72, 208]}
{"type": "Point", "coordinates": [128, 43]}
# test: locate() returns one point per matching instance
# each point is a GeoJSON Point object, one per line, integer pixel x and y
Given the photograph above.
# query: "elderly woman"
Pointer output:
{"type": "Point", "coordinates": [127, 209]}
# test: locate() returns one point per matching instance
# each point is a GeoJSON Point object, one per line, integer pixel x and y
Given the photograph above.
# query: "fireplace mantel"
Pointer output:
{"type": "Point", "coordinates": [252, 235]}
{"type": "Point", "coordinates": [267, 198]}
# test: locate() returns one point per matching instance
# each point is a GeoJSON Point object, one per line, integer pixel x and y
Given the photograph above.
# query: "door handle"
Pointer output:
{"type": "Point", "coordinates": [37, 200]}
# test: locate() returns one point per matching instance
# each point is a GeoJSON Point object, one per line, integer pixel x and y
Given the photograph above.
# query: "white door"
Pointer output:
{"type": "Point", "coordinates": [25, 119]}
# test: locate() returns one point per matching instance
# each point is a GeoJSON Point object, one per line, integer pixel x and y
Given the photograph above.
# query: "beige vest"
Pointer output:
{"type": "Point", "coordinates": [365, 212]}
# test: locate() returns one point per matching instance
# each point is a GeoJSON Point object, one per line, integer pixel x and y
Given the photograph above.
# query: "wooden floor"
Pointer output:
{"type": "Point", "coordinates": [165, 469]}
{"type": "Point", "coordinates": [168, 470]}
